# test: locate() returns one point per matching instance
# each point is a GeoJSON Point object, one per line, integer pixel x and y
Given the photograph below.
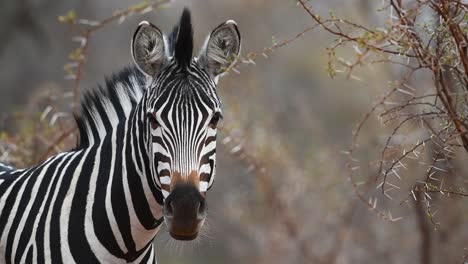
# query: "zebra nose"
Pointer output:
{"type": "Point", "coordinates": [169, 209]}
{"type": "Point", "coordinates": [186, 200]}
{"type": "Point", "coordinates": [184, 212]}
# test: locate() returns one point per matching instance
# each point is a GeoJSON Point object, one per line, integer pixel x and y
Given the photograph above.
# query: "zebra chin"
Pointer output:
{"type": "Point", "coordinates": [184, 212]}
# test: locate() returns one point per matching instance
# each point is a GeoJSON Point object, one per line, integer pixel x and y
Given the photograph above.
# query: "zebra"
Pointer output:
{"type": "Point", "coordinates": [146, 154]}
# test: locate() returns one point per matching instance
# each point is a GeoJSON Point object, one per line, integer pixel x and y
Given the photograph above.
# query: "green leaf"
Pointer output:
{"type": "Point", "coordinates": [69, 18]}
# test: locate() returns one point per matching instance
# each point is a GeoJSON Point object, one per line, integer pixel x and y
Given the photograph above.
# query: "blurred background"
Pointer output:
{"type": "Point", "coordinates": [282, 193]}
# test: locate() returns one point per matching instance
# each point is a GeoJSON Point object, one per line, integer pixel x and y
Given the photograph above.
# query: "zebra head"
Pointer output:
{"type": "Point", "coordinates": [183, 110]}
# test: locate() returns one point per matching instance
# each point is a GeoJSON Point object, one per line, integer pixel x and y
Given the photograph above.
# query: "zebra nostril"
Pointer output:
{"type": "Point", "coordinates": [202, 209]}
{"type": "Point", "coordinates": [168, 208]}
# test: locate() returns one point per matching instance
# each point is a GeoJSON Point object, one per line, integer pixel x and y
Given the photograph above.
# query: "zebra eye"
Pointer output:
{"type": "Point", "coordinates": [152, 120]}
{"type": "Point", "coordinates": [215, 119]}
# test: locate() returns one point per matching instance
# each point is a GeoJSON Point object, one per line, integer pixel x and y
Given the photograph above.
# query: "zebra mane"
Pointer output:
{"type": "Point", "coordinates": [105, 107]}
{"type": "Point", "coordinates": [181, 40]}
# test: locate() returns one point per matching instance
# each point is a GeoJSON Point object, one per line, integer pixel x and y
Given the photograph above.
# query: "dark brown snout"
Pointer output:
{"type": "Point", "coordinates": [184, 212]}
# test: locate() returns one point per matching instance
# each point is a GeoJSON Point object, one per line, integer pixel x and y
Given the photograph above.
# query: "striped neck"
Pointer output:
{"type": "Point", "coordinates": [112, 120]}
{"type": "Point", "coordinates": [146, 212]}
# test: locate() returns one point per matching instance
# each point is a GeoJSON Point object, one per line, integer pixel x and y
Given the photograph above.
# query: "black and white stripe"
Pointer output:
{"type": "Point", "coordinates": [183, 115]}
{"type": "Point", "coordinates": [102, 202]}
{"type": "Point", "coordinates": [90, 205]}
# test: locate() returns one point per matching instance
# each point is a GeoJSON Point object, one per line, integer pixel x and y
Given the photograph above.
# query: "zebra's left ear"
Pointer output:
{"type": "Point", "coordinates": [221, 49]}
{"type": "Point", "coordinates": [148, 48]}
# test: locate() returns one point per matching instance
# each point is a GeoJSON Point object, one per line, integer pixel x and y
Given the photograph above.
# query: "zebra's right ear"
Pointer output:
{"type": "Point", "coordinates": [148, 48]}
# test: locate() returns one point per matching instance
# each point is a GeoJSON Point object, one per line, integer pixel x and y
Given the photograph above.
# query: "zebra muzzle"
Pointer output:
{"type": "Point", "coordinates": [184, 212]}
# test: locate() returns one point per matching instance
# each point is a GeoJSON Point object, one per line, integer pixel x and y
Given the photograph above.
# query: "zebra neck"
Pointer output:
{"type": "Point", "coordinates": [140, 212]}
{"type": "Point", "coordinates": [138, 160]}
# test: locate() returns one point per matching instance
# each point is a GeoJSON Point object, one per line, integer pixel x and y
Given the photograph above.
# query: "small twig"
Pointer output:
{"type": "Point", "coordinates": [55, 143]}
{"type": "Point", "coordinates": [86, 32]}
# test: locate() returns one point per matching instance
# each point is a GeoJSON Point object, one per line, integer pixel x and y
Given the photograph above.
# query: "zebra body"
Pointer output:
{"type": "Point", "coordinates": [79, 206]}
{"type": "Point", "coordinates": [146, 155]}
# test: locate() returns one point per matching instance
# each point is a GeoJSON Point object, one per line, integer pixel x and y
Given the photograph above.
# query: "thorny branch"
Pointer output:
{"type": "Point", "coordinates": [86, 29]}
{"type": "Point", "coordinates": [438, 47]}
